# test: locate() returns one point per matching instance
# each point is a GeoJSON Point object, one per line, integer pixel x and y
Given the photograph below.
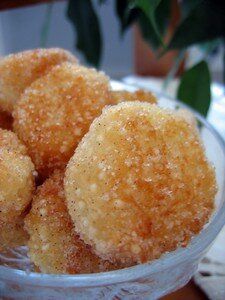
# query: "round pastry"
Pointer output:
{"type": "Point", "coordinates": [139, 184]}
{"type": "Point", "coordinates": [54, 247]}
{"type": "Point", "coordinates": [139, 95]}
{"type": "Point", "coordinates": [56, 111]}
{"type": "Point", "coordinates": [16, 178]}
{"type": "Point", "coordinates": [19, 70]}
{"type": "Point", "coordinates": [16, 185]}
{"type": "Point", "coordinates": [12, 233]}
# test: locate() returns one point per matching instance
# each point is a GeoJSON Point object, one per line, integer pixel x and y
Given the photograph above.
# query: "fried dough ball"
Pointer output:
{"type": "Point", "coordinates": [139, 183]}
{"type": "Point", "coordinates": [56, 111]}
{"type": "Point", "coordinates": [19, 70]}
{"type": "Point", "coordinates": [12, 233]}
{"type": "Point", "coordinates": [54, 247]}
{"type": "Point", "coordinates": [5, 120]}
{"type": "Point", "coordinates": [139, 95]}
{"type": "Point", "coordinates": [16, 177]}
{"type": "Point", "coordinates": [188, 116]}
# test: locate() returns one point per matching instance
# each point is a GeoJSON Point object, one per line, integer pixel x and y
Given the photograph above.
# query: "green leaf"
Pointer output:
{"type": "Point", "coordinates": [162, 14]}
{"type": "Point", "coordinates": [148, 32]}
{"type": "Point", "coordinates": [85, 22]}
{"type": "Point", "coordinates": [126, 15]}
{"type": "Point", "coordinates": [187, 6]}
{"type": "Point", "coordinates": [205, 22]}
{"type": "Point", "coordinates": [149, 8]}
{"type": "Point", "coordinates": [194, 88]}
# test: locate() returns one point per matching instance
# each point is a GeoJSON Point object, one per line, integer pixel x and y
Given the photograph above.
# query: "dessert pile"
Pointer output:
{"type": "Point", "coordinates": [92, 179]}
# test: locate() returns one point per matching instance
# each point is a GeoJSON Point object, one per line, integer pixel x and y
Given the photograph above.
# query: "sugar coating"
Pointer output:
{"type": "Point", "coordinates": [16, 180]}
{"type": "Point", "coordinates": [5, 120]}
{"type": "Point", "coordinates": [16, 185]}
{"type": "Point", "coordinates": [19, 70]}
{"type": "Point", "coordinates": [10, 141]}
{"type": "Point", "coordinates": [188, 116]}
{"type": "Point", "coordinates": [139, 95]}
{"type": "Point", "coordinates": [56, 111]}
{"type": "Point", "coordinates": [156, 189]}
{"type": "Point", "coordinates": [12, 233]}
{"type": "Point", "coordinates": [54, 247]}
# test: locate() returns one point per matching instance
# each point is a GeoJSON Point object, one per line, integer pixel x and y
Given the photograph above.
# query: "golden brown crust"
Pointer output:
{"type": "Point", "coordinates": [10, 141]}
{"type": "Point", "coordinates": [141, 181]}
{"type": "Point", "coordinates": [139, 95]}
{"type": "Point", "coordinates": [16, 178]}
{"type": "Point", "coordinates": [12, 233]}
{"type": "Point", "coordinates": [55, 112]}
{"type": "Point", "coordinates": [19, 70]}
{"type": "Point", "coordinates": [16, 187]}
{"type": "Point", "coordinates": [188, 116]}
{"type": "Point", "coordinates": [54, 246]}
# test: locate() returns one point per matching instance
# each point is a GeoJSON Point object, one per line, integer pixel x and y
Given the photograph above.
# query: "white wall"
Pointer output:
{"type": "Point", "coordinates": [20, 29]}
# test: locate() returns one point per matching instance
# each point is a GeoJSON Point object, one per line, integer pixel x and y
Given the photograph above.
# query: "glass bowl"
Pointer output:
{"type": "Point", "coordinates": [147, 281]}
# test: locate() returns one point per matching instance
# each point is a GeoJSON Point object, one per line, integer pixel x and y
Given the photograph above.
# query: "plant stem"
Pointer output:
{"type": "Point", "coordinates": [223, 45]}
{"type": "Point", "coordinates": [46, 25]}
{"type": "Point", "coordinates": [174, 69]}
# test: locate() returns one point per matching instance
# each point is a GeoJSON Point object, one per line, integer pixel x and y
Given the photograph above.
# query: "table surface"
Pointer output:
{"type": "Point", "coordinates": [190, 291]}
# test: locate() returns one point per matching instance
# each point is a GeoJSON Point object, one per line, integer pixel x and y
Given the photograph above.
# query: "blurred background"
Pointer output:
{"type": "Point", "coordinates": [21, 25]}
{"type": "Point", "coordinates": [21, 29]}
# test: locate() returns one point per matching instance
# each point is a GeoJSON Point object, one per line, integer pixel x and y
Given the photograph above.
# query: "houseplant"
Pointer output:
{"type": "Point", "coordinates": [202, 23]}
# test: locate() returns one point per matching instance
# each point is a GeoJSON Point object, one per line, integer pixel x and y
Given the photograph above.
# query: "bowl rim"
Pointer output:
{"type": "Point", "coordinates": [196, 246]}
